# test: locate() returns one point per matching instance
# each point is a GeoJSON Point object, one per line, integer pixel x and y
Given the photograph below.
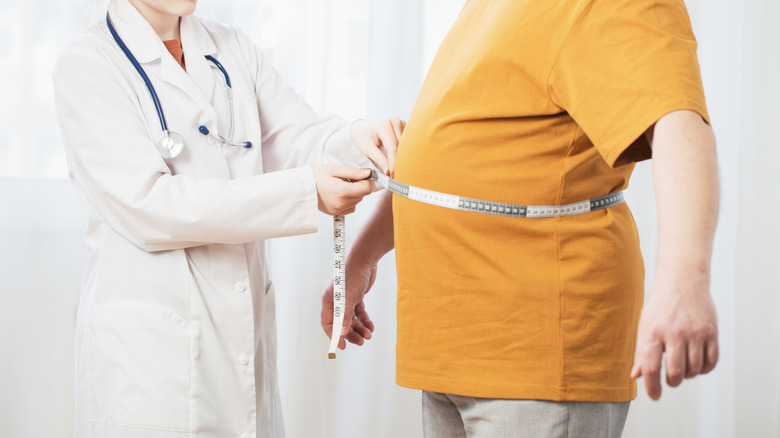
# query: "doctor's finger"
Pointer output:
{"type": "Point", "coordinates": [344, 211]}
{"type": "Point", "coordinates": [389, 138]}
{"type": "Point", "coordinates": [348, 174]}
{"type": "Point", "coordinates": [377, 157]}
{"type": "Point", "coordinates": [353, 192]}
{"type": "Point", "coordinates": [398, 126]}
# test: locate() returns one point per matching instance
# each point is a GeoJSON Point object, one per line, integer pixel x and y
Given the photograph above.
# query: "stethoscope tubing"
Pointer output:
{"type": "Point", "coordinates": [141, 71]}
{"type": "Point", "coordinates": [222, 69]}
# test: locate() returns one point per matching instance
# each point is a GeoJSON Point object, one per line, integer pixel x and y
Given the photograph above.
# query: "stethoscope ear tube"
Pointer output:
{"type": "Point", "coordinates": [219, 139]}
{"type": "Point", "coordinates": [170, 144]}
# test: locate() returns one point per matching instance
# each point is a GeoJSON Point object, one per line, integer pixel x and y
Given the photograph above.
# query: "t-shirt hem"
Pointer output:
{"type": "Point", "coordinates": [515, 391]}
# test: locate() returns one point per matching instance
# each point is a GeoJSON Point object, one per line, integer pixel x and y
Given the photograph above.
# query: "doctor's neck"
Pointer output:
{"type": "Point", "coordinates": [164, 15]}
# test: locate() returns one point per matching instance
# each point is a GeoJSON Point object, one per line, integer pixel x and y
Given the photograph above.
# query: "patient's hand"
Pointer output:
{"type": "Point", "coordinates": [357, 325]}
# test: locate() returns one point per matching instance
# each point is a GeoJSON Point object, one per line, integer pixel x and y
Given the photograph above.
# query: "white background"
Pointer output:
{"type": "Point", "coordinates": [362, 58]}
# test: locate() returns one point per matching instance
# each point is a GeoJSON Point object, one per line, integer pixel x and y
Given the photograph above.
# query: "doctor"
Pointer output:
{"type": "Point", "coordinates": [176, 331]}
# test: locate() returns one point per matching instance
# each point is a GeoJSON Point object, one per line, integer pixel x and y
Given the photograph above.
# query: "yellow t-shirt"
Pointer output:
{"type": "Point", "coordinates": [536, 103]}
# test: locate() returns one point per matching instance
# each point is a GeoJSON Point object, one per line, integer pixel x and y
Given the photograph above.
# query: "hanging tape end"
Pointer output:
{"type": "Point", "coordinates": [331, 355]}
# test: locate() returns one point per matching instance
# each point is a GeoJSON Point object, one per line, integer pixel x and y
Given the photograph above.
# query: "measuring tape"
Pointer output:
{"type": "Point", "coordinates": [447, 201]}
{"type": "Point", "coordinates": [497, 208]}
{"type": "Point", "coordinates": [339, 282]}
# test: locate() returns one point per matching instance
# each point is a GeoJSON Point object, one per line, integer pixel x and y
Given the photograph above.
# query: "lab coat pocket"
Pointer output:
{"type": "Point", "coordinates": [139, 368]}
{"type": "Point", "coordinates": [103, 430]}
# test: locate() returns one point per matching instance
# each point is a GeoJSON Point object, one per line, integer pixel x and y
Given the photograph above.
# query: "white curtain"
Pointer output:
{"type": "Point", "coordinates": [367, 58]}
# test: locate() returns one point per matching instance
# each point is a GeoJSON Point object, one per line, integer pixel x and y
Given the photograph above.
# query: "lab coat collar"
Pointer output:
{"type": "Point", "coordinates": [197, 43]}
{"type": "Point", "coordinates": [196, 36]}
{"type": "Point", "coordinates": [143, 41]}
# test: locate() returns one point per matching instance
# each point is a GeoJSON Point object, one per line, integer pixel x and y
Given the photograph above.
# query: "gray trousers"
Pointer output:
{"type": "Point", "coordinates": [455, 416]}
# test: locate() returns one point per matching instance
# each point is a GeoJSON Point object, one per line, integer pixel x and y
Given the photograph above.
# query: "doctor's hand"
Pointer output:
{"type": "Point", "coordinates": [680, 323]}
{"type": "Point", "coordinates": [378, 140]}
{"type": "Point", "coordinates": [340, 188]}
{"type": "Point", "coordinates": [357, 324]}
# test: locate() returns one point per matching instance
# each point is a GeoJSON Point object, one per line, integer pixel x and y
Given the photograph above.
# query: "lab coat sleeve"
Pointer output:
{"type": "Point", "coordinates": [114, 162]}
{"type": "Point", "coordinates": [293, 134]}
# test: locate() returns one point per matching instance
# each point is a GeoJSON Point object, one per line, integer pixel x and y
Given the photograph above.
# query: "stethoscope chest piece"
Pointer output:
{"type": "Point", "coordinates": [170, 144]}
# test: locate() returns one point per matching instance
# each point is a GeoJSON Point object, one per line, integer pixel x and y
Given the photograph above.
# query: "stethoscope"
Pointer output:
{"type": "Point", "coordinates": [170, 144]}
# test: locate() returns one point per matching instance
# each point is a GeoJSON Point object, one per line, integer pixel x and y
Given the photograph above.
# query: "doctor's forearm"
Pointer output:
{"type": "Point", "coordinates": [180, 212]}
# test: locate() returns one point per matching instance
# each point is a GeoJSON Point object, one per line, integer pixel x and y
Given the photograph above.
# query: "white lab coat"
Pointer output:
{"type": "Point", "coordinates": [176, 331]}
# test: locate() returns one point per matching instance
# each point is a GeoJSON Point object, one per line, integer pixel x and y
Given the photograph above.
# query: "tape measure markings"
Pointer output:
{"type": "Point", "coordinates": [496, 208]}
{"type": "Point", "coordinates": [339, 282]}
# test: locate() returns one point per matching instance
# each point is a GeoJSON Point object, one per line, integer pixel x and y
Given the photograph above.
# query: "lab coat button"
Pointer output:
{"type": "Point", "coordinates": [243, 360]}
{"type": "Point", "coordinates": [239, 287]}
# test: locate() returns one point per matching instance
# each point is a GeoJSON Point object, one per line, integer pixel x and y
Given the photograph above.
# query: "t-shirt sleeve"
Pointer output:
{"type": "Point", "coordinates": [624, 65]}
